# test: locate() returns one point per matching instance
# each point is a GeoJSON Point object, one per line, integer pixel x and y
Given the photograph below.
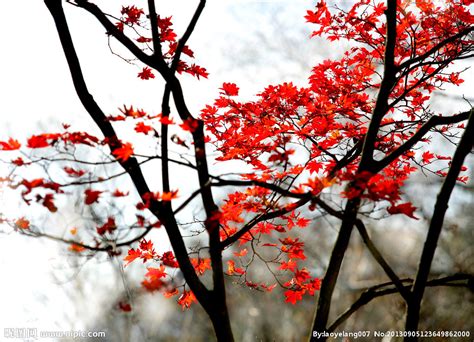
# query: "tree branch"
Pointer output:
{"type": "Point", "coordinates": [425, 128]}
{"type": "Point", "coordinates": [464, 148]}
{"type": "Point", "coordinates": [264, 217]}
{"type": "Point", "coordinates": [464, 280]}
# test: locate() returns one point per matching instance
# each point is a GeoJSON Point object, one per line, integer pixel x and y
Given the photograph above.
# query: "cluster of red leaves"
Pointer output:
{"type": "Point", "coordinates": [43, 197]}
{"type": "Point", "coordinates": [155, 278]}
{"type": "Point", "coordinates": [131, 17]}
{"type": "Point", "coordinates": [333, 112]}
{"type": "Point", "coordinates": [146, 123]}
{"type": "Point", "coordinates": [327, 119]}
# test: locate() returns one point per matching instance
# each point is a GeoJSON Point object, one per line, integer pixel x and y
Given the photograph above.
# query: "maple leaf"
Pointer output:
{"type": "Point", "coordinates": [124, 152]}
{"type": "Point", "coordinates": [189, 125]}
{"type": "Point", "coordinates": [186, 299]}
{"type": "Point", "coordinates": [231, 269]}
{"type": "Point", "coordinates": [140, 127]}
{"type": "Point", "coordinates": [92, 196]}
{"type": "Point", "coordinates": [154, 284]}
{"type": "Point", "coordinates": [166, 120]}
{"type": "Point", "coordinates": [405, 208]}
{"type": "Point", "coordinates": [19, 161]}
{"type": "Point", "coordinates": [118, 193]}
{"type": "Point", "coordinates": [42, 140]}
{"type": "Point", "coordinates": [132, 14]}
{"type": "Point", "coordinates": [168, 196]}
{"type": "Point", "coordinates": [132, 255]}
{"type": "Point", "coordinates": [171, 293]}
{"type": "Point", "coordinates": [146, 74]}
{"type": "Point", "coordinates": [241, 253]}
{"type": "Point", "coordinates": [22, 223]}
{"type": "Point", "coordinates": [148, 252]}
{"type": "Point", "coordinates": [426, 157]}
{"type": "Point", "coordinates": [201, 265]}
{"type": "Point", "coordinates": [290, 265]}
{"type": "Point", "coordinates": [229, 89]}
{"type": "Point", "coordinates": [10, 145]}
{"type": "Point", "coordinates": [168, 259]}
{"type": "Point", "coordinates": [292, 296]}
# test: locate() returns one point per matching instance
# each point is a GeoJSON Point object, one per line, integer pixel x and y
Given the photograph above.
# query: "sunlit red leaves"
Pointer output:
{"type": "Point", "coordinates": [10, 145]}
{"type": "Point", "coordinates": [186, 299]}
{"type": "Point", "coordinates": [153, 277]}
{"type": "Point", "coordinates": [145, 251]}
{"type": "Point", "coordinates": [293, 296]}
{"type": "Point", "coordinates": [42, 140]}
{"type": "Point", "coordinates": [119, 193]}
{"type": "Point", "coordinates": [132, 14]}
{"type": "Point", "coordinates": [201, 265]}
{"type": "Point", "coordinates": [232, 270]}
{"type": "Point", "coordinates": [427, 157]}
{"type": "Point", "coordinates": [293, 248]}
{"type": "Point", "coordinates": [146, 74]}
{"type": "Point", "coordinates": [189, 125]}
{"type": "Point", "coordinates": [404, 208]}
{"type": "Point", "coordinates": [132, 255]}
{"type": "Point", "coordinates": [229, 89]}
{"type": "Point", "coordinates": [124, 152]}
{"type": "Point", "coordinates": [140, 127]}
{"type": "Point", "coordinates": [166, 32]}
{"type": "Point", "coordinates": [168, 259]}
{"type": "Point", "coordinates": [193, 69]}
{"type": "Point", "coordinates": [132, 113]}
{"type": "Point", "coordinates": [169, 196]}
{"type": "Point", "coordinates": [39, 183]}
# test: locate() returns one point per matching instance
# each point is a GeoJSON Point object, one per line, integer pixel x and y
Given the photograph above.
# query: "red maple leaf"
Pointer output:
{"type": "Point", "coordinates": [405, 208]}
{"type": "Point", "coordinates": [168, 196]}
{"type": "Point", "coordinates": [140, 127]}
{"type": "Point", "coordinates": [146, 74]}
{"type": "Point", "coordinates": [10, 145]}
{"type": "Point", "coordinates": [124, 152]}
{"type": "Point", "coordinates": [186, 299]}
{"type": "Point", "coordinates": [132, 255]}
{"type": "Point", "coordinates": [292, 296]}
{"type": "Point", "coordinates": [168, 259]}
{"type": "Point", "coordinates": [22, 223]}
{"type": "Point", "coordinates": [229, 89]}
{"type": "Point", "coordinates": [92, 196]}
{"type": "Point", "coordinates": [426, 157]}
{"type": "Point", "coordinates": [155, 273]}
{"type": "Point", "coordinates": [201, 265]}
